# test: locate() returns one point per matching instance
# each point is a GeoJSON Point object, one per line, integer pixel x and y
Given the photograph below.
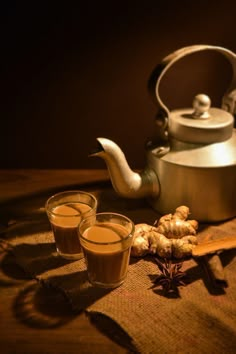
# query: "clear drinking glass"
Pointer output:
{"type": "Point", "coordinates": [106, 240]}
{"type": "Point", "coordinates": [65, 211]}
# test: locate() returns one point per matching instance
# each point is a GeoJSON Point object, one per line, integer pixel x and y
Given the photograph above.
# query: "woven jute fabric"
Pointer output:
{"type": "Point", "coordinates": [200, 320]}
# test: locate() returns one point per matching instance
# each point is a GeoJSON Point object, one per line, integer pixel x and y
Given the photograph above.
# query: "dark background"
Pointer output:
{"type": "Point", "coordinates": [73, 72]}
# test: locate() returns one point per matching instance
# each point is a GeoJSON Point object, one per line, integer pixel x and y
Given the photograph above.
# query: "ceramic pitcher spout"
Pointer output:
{"type": "Point", "coordinates": [126, 182]}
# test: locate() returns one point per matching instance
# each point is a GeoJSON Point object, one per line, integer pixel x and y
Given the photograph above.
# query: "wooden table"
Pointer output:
{"type": "Point", "coordinates": [23, 192]}
{"type": "Point", "coordinates": [37, 319]}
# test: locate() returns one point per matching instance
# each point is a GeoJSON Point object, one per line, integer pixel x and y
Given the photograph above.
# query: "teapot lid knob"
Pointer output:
{"type": "Point", "coordinates": [201, 124]}
{"type": "Point", "coordinates": [201, 106]}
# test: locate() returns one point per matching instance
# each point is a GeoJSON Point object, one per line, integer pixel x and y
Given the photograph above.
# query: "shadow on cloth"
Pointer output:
{"type": "Point", "coordinates": [40, 307]}
{"type": "Point", "coordinates": [111, 329]}
{"type": "Point", "coordinates": [77, 289]}
{"type": "Point", "coordinates": [34, 259]}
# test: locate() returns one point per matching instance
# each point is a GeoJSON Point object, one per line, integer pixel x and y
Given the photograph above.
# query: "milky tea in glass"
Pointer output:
{"type": "Point", "coordinates": [65, 211]}
{"type": "Point", "coordinates": [106, 239]}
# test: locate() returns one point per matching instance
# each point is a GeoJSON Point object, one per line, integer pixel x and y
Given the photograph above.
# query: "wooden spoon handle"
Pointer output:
{"type": "Point", "coordinates": [214, 246]}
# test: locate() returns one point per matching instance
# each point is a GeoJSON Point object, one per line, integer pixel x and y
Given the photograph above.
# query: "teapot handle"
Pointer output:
{"type": "Point", "coordinates": [229, 98]}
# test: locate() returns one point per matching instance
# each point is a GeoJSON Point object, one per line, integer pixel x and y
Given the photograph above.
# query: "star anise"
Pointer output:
{"type": "Point", "coordinates": [170, 277]}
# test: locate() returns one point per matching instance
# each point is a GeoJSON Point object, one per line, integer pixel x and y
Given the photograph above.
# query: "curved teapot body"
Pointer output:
{"type": "Point", "coordinates": [206, 185]}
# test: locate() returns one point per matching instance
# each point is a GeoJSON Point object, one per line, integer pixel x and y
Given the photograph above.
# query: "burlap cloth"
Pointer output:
{"type": "Point", "coordinates": [201, 320]}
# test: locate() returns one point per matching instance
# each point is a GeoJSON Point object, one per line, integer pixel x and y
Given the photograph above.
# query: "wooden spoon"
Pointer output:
{"type": "Point", "coordinates": [214, 246]}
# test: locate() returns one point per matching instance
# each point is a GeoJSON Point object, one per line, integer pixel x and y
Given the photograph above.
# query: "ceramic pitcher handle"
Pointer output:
{"type": "Point", "coordinates": [229, 99]}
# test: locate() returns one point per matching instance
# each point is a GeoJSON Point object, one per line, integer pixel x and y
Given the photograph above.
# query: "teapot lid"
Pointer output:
{"type": "Point", "coordinates": [201, 124]}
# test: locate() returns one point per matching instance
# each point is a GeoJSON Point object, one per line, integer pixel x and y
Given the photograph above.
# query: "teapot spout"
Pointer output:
{"type": "Point", "coordinates": [126, 182]}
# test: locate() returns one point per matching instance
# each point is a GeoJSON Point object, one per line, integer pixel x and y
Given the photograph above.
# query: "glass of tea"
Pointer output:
{"type": "Point", "coordinates": [65, 211]}
{"type": "Point", "coordinates": [106, 240]}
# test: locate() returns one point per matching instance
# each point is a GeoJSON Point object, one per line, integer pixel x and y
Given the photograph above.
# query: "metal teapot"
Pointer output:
{"type": "Point", "coordinates": [194, 163]}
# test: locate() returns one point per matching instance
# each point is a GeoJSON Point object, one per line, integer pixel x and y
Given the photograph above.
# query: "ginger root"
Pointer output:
{"type": "Point", "coordinates": [176, 225]}
{"type": "Point", "coordinates": [171, 236]}
{"type": "Point", "coordinates": [148, 240]}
